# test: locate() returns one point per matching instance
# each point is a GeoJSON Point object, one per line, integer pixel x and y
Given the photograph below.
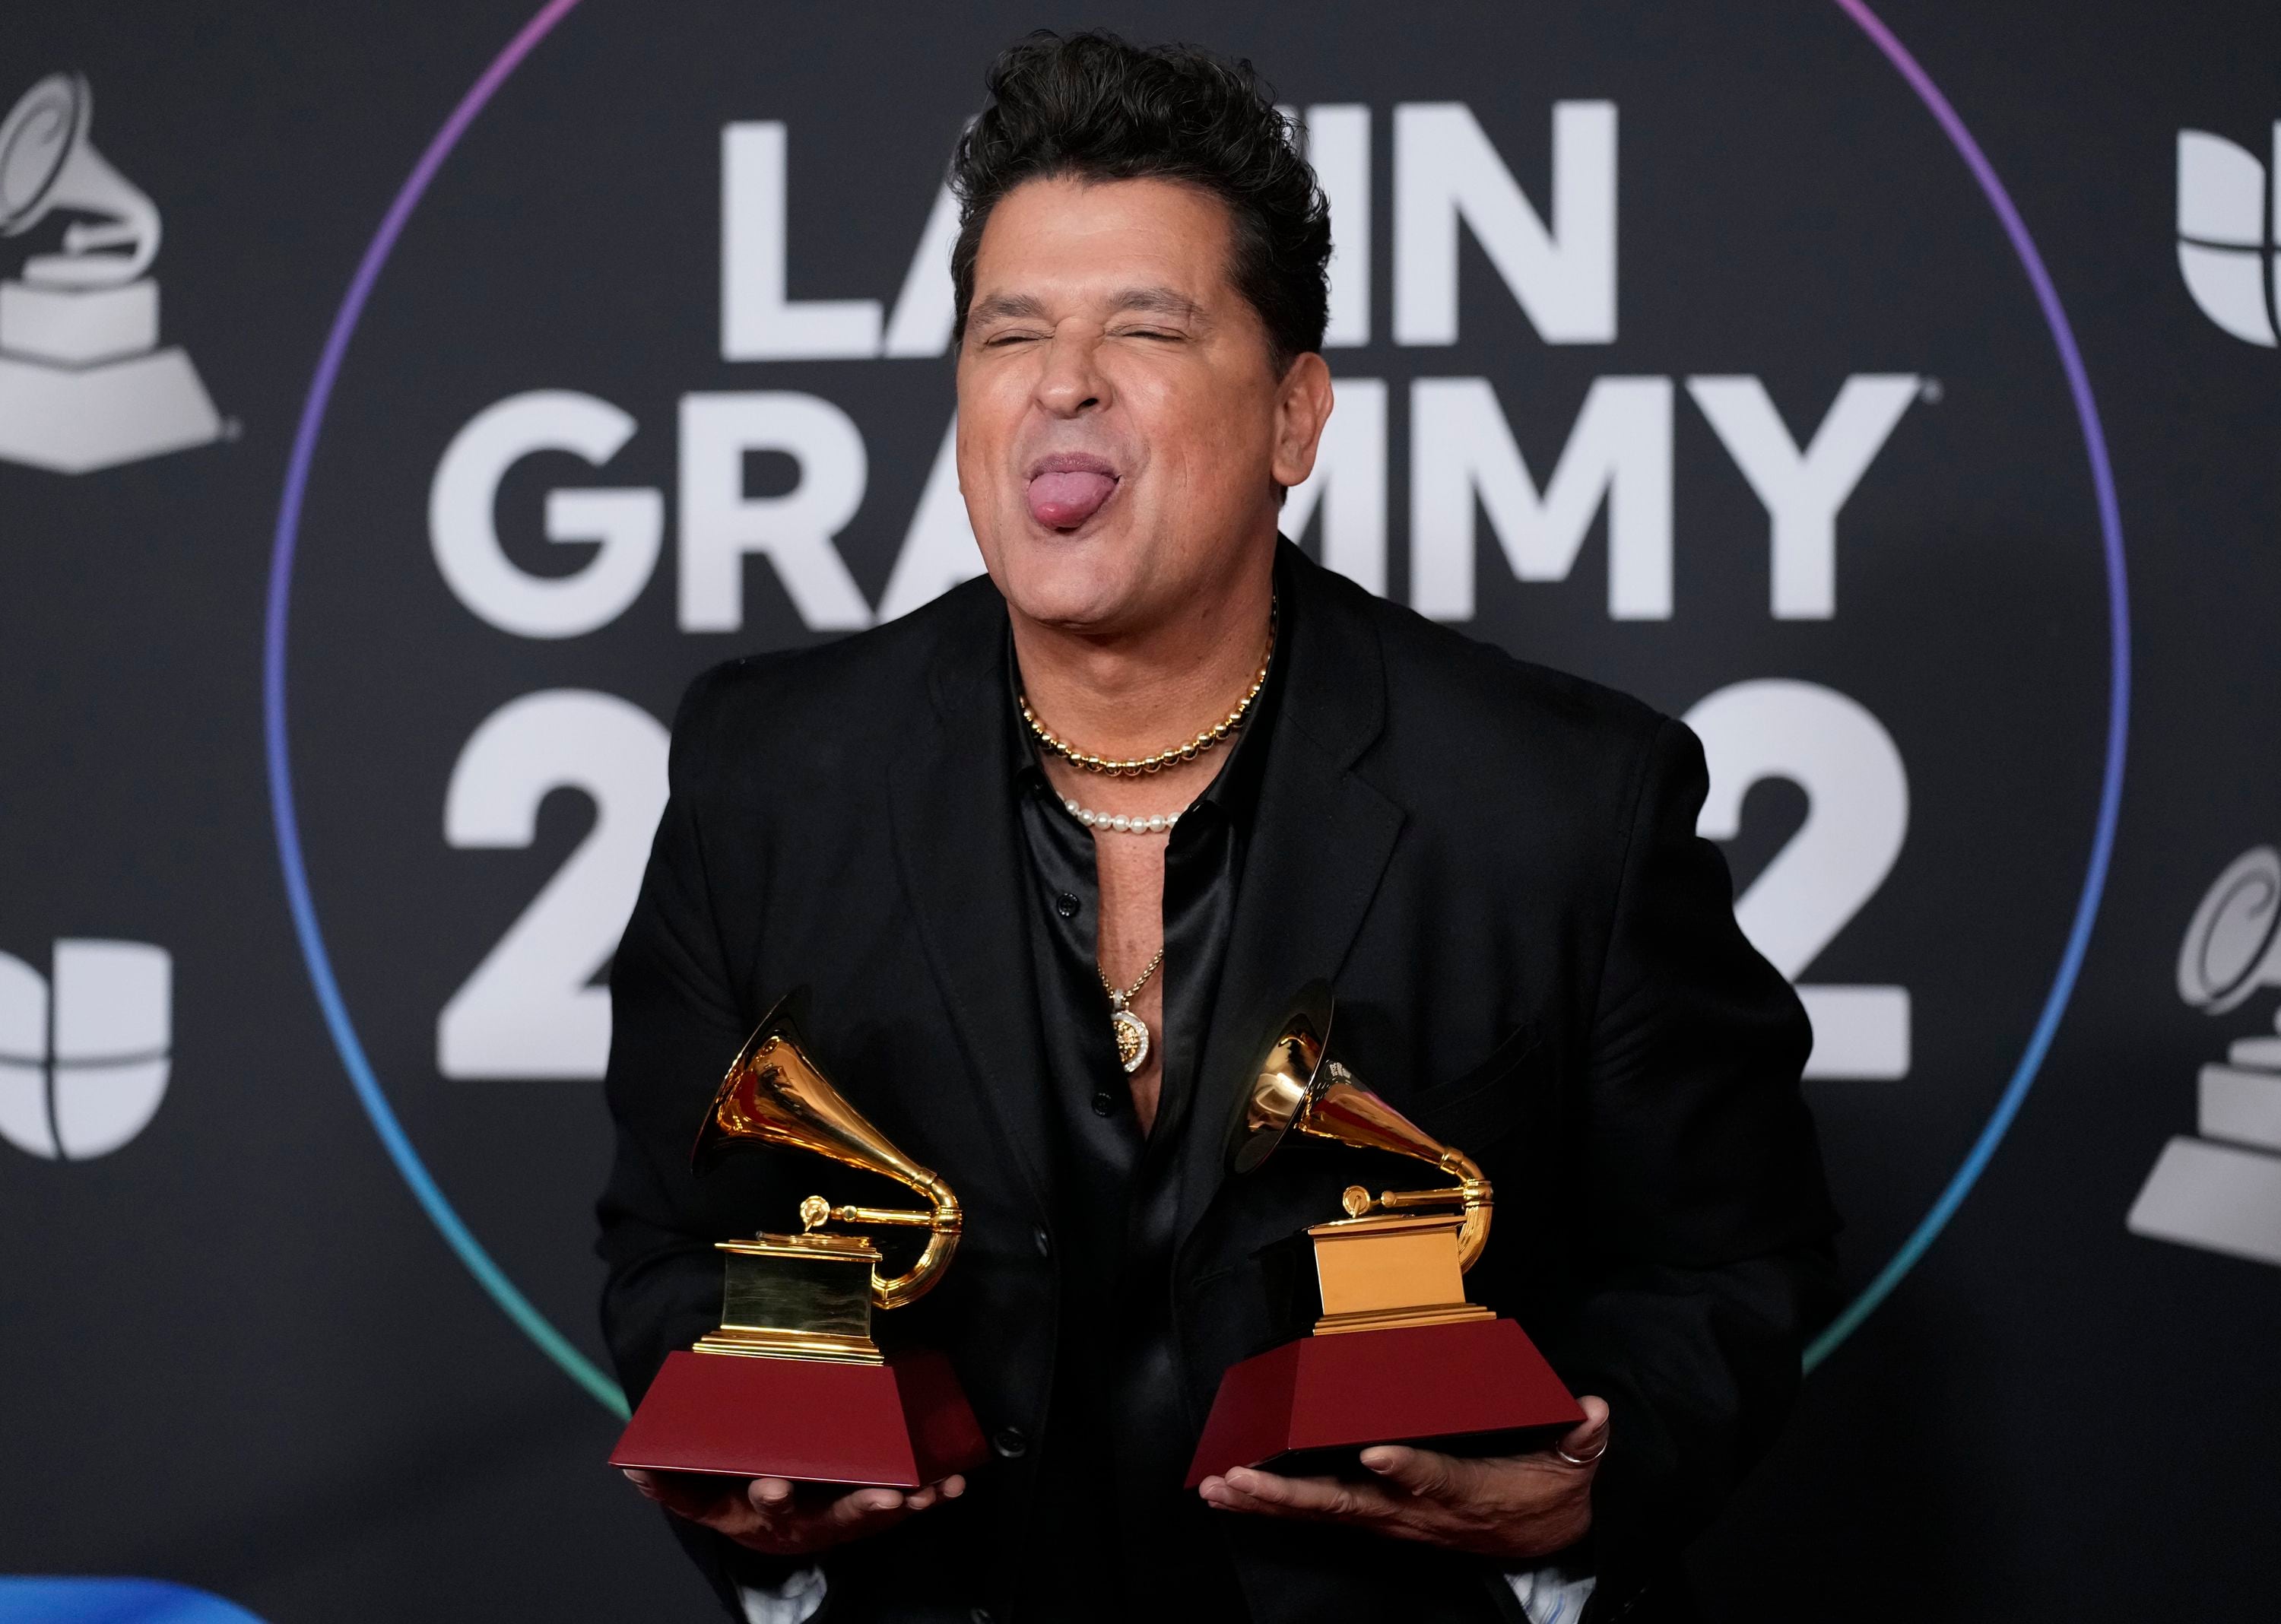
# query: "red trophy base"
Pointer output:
{"type": "Point", "coordinates": [901, 1425]}
{"type": "Point", "coordinates": [1462, 1383]}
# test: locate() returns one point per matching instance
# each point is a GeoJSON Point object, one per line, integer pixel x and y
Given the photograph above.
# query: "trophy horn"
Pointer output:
{"type": "Point", "coordinates": [47, 163]}
{"type": "Point", "coordinates": [775, 1094]}
{"type": "Point", "coordinates": [1298, 1087]}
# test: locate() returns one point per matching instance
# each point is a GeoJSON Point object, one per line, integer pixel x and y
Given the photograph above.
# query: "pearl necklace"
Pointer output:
{"type": "Point", "coordinates": [1159, 823]}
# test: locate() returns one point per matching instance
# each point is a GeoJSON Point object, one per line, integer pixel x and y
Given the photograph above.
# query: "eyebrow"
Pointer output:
{"type": "Point", "coordinates": [1161, 301]}
{"type": "Point", "coordinates": [1029, 307]}
{"type": "Point", "coordinates": [1010, 306]}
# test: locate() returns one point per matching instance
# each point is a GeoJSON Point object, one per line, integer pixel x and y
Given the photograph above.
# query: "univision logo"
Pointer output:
{"type": "Point", "coordinates": [2228, 204]}
{"type": "Point", "coordinates": [83, 1064]}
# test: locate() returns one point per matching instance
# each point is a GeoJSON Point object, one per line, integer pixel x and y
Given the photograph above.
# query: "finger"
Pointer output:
{"type": "Point", "coordinates": [1322, 1498]}
{"type": "Point", "coordinates": [1216, 1486]}
{"type": "Point", "coordinates": [1418, 1472]}
{"type": "Point", "coordinates": [920, 1499]}
{"type": "Point", "coordinates": [952, 1487]}
{"type": "Point", "coordinates": [768, 1494]}
{"type": "Point", "coordinates": [1588, 1436]}
{"type": "Point", "coordinates": [1216, 1493]}
{"type": "Point", "coordinates": [864, 1509]}
{"type": "Point", "coordinates": [683, 1494]}
{"type": "Point", "coordinates": [1267, 1492]}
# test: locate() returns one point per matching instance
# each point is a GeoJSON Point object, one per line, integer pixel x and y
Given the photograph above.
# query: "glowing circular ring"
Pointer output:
{"type": "Point", "coordinates": [374, 1100]}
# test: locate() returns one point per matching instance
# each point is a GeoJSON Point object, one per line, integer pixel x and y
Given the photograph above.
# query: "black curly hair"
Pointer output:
{"type": "Point", "coordinates": [1092, 107]}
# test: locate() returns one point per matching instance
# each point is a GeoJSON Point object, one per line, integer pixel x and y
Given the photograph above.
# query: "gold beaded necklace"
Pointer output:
{"type": "Point", "coordinates": [1141, 766]}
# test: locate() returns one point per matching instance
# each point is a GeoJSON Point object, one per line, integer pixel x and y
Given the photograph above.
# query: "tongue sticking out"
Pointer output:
{"type": "Point", "coordinates": [1063, 501]}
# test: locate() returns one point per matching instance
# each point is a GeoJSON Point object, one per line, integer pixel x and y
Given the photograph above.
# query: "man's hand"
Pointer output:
{"type": "Point", "coordinates": [773, 1515]}
{"type": "Point", "coordinates": [1514, 1507]}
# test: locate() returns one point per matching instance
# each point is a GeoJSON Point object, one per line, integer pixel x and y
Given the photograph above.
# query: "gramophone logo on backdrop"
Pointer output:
{"type": "Point", "coordinates": [83, 1062]}
{"type": "Point", "coordinates": [2229, 207]}
{"type": "Point", "coordinates": [2223, 1191]}
{"type": "Point", "coordinates": [83, 383]}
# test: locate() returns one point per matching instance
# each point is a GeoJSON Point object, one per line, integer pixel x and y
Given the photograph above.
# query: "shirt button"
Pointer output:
{"type": "Point", "coordinates": [1104, 1104]}
{"type": "Point", "coordinates": [1066, 905]}
{"type": "Point", "coordinates": [1045, 1241]}
{"type": "Point", "coordinates": [1009, 1442]}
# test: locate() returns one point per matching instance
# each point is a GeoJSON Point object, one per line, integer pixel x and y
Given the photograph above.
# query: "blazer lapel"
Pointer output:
{"type": "Point", "coordinates": [957, 843]}
{"type": "Point", "coordinates": [1319, 843]}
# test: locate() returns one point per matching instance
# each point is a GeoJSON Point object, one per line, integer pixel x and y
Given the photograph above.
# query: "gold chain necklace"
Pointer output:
{"type": "Point", "coordinates": [1139, 766]}
{"type": "Point", "coordinates": [1132, 1031]}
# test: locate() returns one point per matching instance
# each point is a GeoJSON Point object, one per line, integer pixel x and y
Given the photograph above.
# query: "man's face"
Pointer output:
{"type": "Point", "coordinates": [1121, 428]}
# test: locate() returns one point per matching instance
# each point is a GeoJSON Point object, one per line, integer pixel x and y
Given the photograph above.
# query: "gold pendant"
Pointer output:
{"type": "Point", "coordinates": [1131, 1039]}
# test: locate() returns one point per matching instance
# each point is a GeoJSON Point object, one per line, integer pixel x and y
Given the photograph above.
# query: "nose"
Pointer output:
{"type": "Point", "coordinates": [1071, 382]}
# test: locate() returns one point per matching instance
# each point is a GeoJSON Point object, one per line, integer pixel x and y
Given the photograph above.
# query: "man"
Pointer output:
{"type": "Point", "coordinates": [1049, 850]}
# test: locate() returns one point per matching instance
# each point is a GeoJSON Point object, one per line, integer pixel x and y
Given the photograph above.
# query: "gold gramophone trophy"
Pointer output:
{"type": "Point", "coordinates": [791, 1384]}
{"type": "Point", "coordinates": [1399, 1355]}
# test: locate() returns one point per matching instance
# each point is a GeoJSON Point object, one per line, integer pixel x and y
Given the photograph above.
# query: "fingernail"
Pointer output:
{"type": "Point", "coordinates": [1240, 1478]}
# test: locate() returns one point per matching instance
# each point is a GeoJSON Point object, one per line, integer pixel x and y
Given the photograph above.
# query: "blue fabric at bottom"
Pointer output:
{"type": "Point", "coordinates": [114, 1601]}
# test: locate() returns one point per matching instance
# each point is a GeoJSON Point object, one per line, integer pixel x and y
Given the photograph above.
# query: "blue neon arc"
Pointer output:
{"type": "Point", "coordinates": [2118, 698]}
{"type": "Point", "coordinates": [438, 1207]}
{"type": "Point", "coordinates": [432, 1199]}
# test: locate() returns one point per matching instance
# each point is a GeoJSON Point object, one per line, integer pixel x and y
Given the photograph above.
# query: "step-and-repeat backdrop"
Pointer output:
{"type": "Point", "coordinates": [398, 405]}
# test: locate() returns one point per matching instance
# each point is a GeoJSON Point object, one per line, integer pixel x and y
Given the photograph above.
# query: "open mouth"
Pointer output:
{"type": "Point", "coordinates": [1067, 488]}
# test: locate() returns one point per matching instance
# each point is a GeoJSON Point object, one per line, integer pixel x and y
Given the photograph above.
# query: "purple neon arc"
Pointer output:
{"type": "Point", "coordinates": [369, 1093]}
{"type": "Point", "coordinates": [2118, 702]}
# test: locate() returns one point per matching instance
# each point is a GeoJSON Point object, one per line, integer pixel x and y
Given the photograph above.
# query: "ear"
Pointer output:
{"type": "Point", "coordinates": [1303, 405]}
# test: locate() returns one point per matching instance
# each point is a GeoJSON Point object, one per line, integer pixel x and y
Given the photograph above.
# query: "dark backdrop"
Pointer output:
{"type": "Point", "coordinates": [245, 1354]}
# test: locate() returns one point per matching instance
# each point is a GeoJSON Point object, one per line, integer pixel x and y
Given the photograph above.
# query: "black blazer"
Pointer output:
{"type": "Point", "coordinates": [1534, 956]}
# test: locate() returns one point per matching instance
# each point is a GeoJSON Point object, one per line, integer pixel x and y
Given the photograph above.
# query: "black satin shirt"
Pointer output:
{"type": "Point", "coordinates": [1115, 1515]}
